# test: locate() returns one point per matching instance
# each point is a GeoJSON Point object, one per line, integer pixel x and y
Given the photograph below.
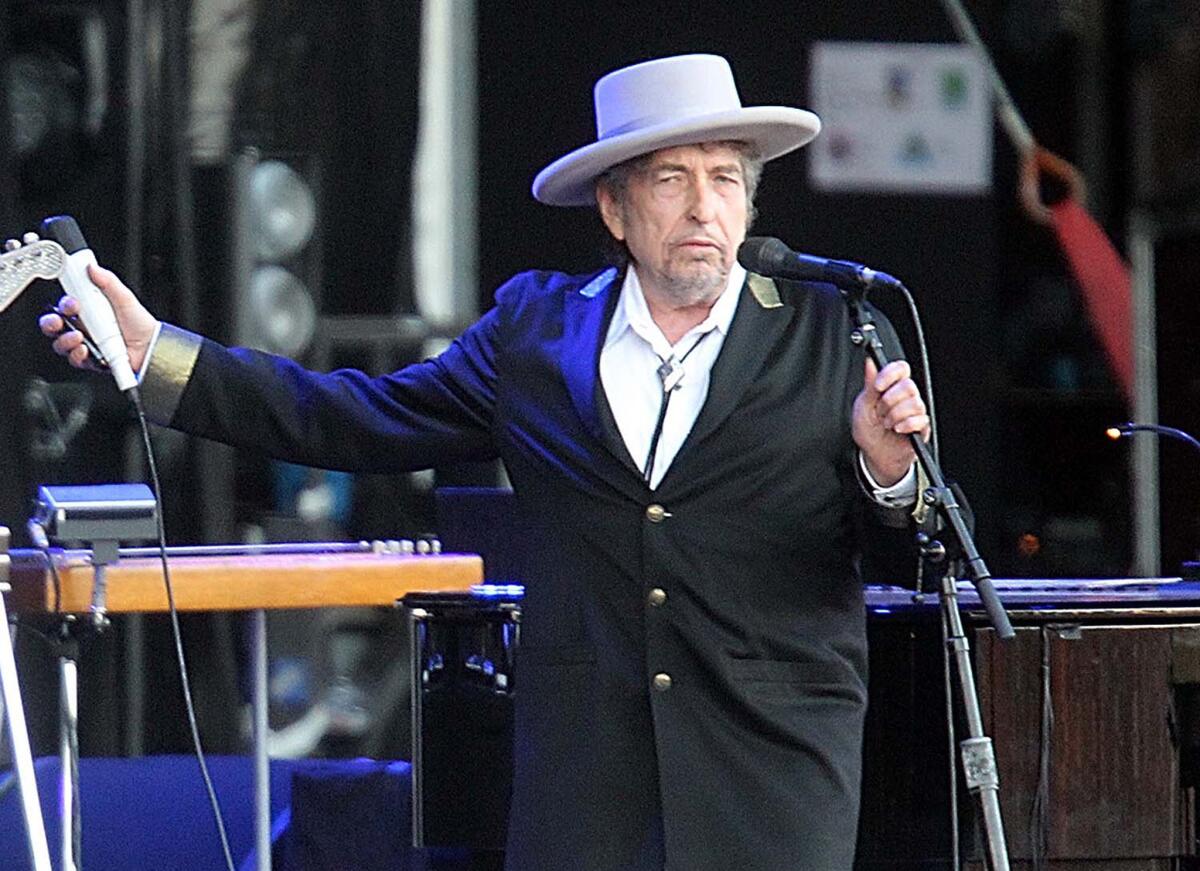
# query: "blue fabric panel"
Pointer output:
{"type": "Point", "coordinates": [352, 814]}
{"type": "Point", "coordinates": [151, 812]}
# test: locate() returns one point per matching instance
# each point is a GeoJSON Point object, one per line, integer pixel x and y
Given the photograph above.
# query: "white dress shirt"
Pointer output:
{"type": "Point", "coordinates": [633, 351]}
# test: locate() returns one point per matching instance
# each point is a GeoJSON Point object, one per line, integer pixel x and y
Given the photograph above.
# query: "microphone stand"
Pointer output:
{"type": "Point", "coordinates": [978, 757]}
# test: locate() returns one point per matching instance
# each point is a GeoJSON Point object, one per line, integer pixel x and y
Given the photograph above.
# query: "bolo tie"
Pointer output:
{"type": "Point", "coordinates": [670, 375]}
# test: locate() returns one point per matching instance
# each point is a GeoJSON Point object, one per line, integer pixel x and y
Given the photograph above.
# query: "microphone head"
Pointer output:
{"type": "Point", "coordinates": [63, 230]}
{"type": "Point", "coordinates": [765, 255]}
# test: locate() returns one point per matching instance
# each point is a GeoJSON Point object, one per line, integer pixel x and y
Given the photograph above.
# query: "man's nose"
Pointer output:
{"type": "Point", "coordinates": [704, 202]}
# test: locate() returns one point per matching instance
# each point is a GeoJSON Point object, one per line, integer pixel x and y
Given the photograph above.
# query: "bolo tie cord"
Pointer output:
{"type": "Point", "coordinates": [670, 374]}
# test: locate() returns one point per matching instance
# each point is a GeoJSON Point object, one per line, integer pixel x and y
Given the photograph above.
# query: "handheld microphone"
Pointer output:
{"type": "Point", "coordinates": [768, 256]}
{"type": "Point", "coordinates": [94, 309]}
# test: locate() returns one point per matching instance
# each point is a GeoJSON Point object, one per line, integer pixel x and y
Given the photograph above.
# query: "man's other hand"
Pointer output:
{"type": "Point", "coordinates": [886, 412]}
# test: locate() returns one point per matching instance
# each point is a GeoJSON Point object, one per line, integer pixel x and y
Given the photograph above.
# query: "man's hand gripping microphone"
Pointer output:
{"type": "Point", "coordinates": [94, 309]}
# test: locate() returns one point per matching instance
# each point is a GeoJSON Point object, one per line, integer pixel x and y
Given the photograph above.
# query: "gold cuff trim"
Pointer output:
{"type": "Point", "coordinates": [764, 291]}
{"type": "Point", "coordinates": [166, 374]}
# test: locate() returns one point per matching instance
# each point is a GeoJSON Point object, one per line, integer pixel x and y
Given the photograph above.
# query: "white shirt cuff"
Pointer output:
{"type": "Point", "coordinates": [149, 351]}
{"type": "Point", "coordinates": [899, 495]}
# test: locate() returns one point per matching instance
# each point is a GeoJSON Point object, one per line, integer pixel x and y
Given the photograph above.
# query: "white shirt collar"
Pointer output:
{"type": "Point", "coordinates": [632, 313]}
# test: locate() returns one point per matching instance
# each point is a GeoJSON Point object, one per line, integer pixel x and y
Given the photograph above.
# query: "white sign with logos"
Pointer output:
{"type": "Point", "coordinates": [900, 118]}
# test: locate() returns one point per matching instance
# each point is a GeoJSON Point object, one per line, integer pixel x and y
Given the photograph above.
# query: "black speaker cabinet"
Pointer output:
{"type": "Point", "coordinates": [463, 683]}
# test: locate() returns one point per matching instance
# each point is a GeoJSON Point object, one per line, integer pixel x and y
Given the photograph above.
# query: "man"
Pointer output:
{"type": "Point", "coordinates": [691, 448]}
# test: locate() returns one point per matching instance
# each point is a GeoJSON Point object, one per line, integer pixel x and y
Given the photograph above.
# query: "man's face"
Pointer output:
{"type": "Point", "coordinates": [683, 217]}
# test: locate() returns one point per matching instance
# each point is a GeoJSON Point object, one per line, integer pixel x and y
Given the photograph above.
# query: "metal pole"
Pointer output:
{"type": "Point", "coordinates": [262, 765]}
{"type": "Point", "coordinates": [1147, 546]}
{"type": "Point", "coordinates": [18, 733]}
{"type": "Point", "coordinates": [68, 701]}
{"type": "Point", "coordinates": [417, 627]}
{"type": "Point", "coordinates": [978, 757]}
{"type": "Point", "coordinates": [445, 182]}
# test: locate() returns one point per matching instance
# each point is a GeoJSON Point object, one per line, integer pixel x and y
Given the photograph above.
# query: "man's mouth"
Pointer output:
{"type": "Point", "coordinates": [699, 245]}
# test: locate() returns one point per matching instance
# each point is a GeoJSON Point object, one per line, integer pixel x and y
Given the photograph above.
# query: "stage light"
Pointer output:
{"type": "Point", "coordinates": [281, 310]}
{"type": "Point", "coordinates": [284, 210]}
{"type": "Point", "coordinates": [276, 256]}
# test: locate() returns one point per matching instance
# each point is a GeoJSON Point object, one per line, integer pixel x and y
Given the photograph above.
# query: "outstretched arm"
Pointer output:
{"type": "Point", "coordinates": [430, 413]}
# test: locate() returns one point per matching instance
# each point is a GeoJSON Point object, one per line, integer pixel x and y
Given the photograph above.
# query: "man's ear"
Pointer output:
{"type": "Point", "coordinates": [610, 212]}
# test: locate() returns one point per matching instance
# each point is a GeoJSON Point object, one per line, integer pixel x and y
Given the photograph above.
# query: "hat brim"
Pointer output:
{"type": "Point", "coordinates": [772, 130]}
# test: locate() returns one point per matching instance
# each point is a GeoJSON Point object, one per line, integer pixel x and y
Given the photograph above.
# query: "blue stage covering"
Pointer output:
{"type": "Point", "coordinates": [153, 813]}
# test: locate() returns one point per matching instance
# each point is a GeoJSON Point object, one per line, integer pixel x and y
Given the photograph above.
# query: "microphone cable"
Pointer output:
{"type": "Point", "coordinates": [926, 371]}
{"type": "Point", "coordinates": [177, 635]}
{"type": "Point", "coordinates": [947, 666]}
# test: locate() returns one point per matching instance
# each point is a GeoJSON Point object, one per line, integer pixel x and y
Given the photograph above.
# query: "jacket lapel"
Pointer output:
{"type": "Point", "coordinates": [760, 320]}
{"type": "Point", "coordinates": [586, 314]}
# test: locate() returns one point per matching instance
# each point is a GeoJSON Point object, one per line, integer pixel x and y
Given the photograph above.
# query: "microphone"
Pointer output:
{"type": "Point", "coordinates": [768, 256]}
{"type": "Point", "coordinates": [94, 309]}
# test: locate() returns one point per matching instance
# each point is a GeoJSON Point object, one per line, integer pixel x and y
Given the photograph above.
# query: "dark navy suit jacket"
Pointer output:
{"type": "Point", "coordinates": [751, 758]}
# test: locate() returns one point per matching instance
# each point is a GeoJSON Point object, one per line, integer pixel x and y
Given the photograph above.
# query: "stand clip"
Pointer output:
{"type": "Point", "coordinates": [979, 764]}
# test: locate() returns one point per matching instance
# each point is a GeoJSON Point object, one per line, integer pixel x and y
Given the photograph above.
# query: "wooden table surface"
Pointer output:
{"type": "Point", "coordinates": [237, 582]}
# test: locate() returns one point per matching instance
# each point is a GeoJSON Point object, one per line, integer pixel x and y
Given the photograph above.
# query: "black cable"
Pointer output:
{"type": "Point", "coordinates": [947, 670]}
{"type": "Point", "coordinates": [178, 637]}
{"type": "Point", "coordinates": [926, 372]}
{"type": "Point", "coordinates": [927, 391]}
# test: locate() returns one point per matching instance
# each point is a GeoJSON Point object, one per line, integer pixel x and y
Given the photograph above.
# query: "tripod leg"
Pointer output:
{"type": "Point", "coordinates": [69, 755]}
{"type": "Point", "coordinates": [979, 761]}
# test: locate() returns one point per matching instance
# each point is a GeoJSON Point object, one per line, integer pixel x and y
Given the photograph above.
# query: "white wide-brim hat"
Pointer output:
{"type": "Point", "coordinates": [661, 103]}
